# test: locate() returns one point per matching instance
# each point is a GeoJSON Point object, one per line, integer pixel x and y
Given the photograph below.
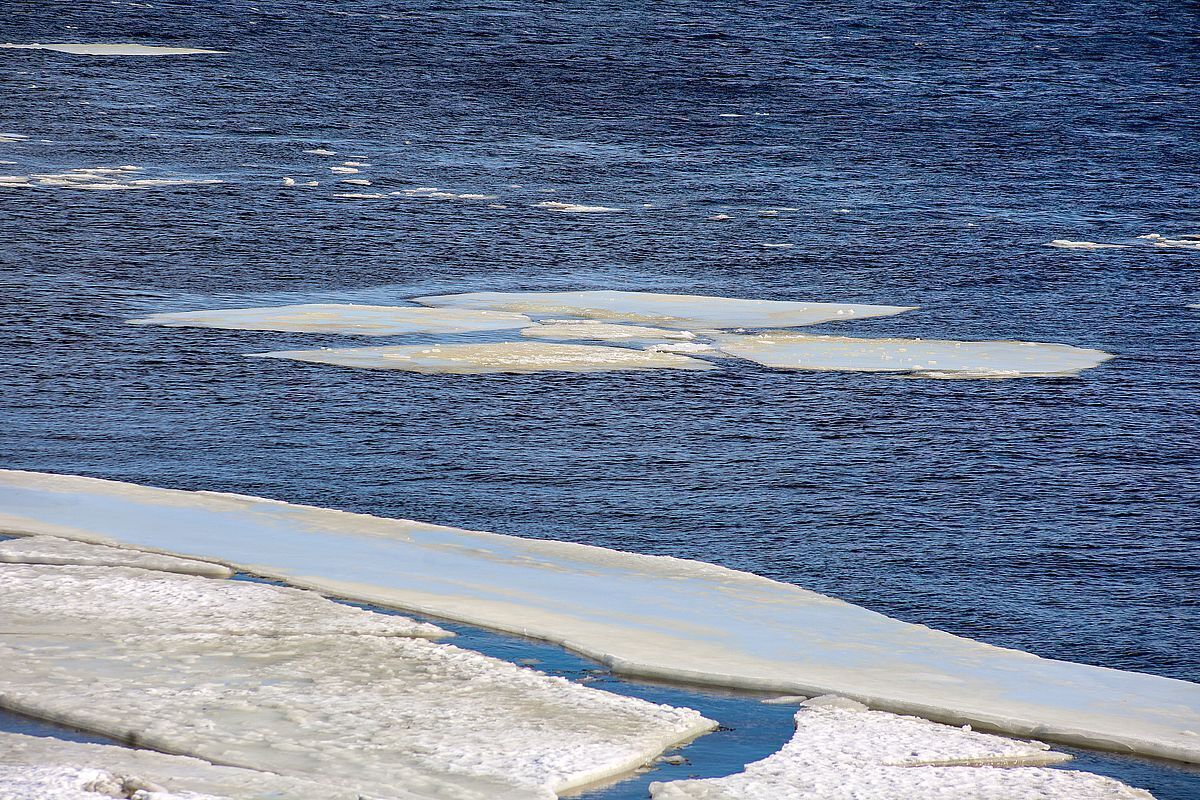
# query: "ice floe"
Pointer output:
{"type": "Point", "coordinates": [310, 690]}
{"type": "Point", "coordinates": [105, 49]}
{"type": "Point", "coordinates": [479, 359]}
{"type": "Point", "coordinates": [360, 195]}
{"type": "Point", "coordinates": [344, 170]}
{"type": "Point", "coordinates": [433, 193]}
{"type": "Point", "coordinates": [321, 151]}
{"type": "Point", "coordinates": [1186, 242]}
{"type": "Point", "coordinates": [69, 782]}
{"type": "Point", "coordinates": [667, 310]}
{"type": "Point", "coordinates": [162, 777]}
{"type": "Point", "coordinates": [596, 330]}
{"type": "Point", "coordinates": [344, 318]}
{"type": "Point", "coordinates": [6, 137]}
{"type": "Point", "coordinates": [573, 208]}
{"type": "Point", "coordinates": [649, 616]}
{"type": "Point", "coordinates": [1068, 244]}
{"type": "Point", "coordinates": [839, 754]}
{"type": "Point", "coordinates": [54, 550]}
{"type": "Point", "coordinates": [929, 358]}
{"type": "Point", "coordinates": [99, 179]}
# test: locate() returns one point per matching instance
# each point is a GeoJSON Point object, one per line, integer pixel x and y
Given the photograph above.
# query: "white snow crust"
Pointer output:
{"type": "Point", "coordinates": [929, 358]}
{"type": "Point", "coordinates": [838, 754]}
{"type": "Point", "coordinates": [645, 616]}
{"type": "Point", "coordinates": [602, 331]}
{"type": "Point", "coordinates": [478, 359]}
{"type": "Point", "coordinates": [103, 49]}
{"type": "Point", "coordinates": [98, 179]}
{"type": "Point", "coordinates": [28, 782]}
{"type": "Point", "coordinates": [54, 550]}
{"type": "Point", "coordinates": [666, 310]}
{"type": "Point", "coordinates": [312, 690]}
{"type": "Point", "coordinates": [342, 318]}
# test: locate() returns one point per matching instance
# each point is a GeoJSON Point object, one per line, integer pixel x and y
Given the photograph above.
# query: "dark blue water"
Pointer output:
{"type": "Point", "coordinates": [930, 153]}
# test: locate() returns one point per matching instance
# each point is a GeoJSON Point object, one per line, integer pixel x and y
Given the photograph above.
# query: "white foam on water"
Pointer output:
{"type": "Point", "coordinates": [286, 681]}
{"type": "Point", "coordinates": [1068, 244]}
{"type": "Point", "coordinates": [839, 754]}
{"type": "Point", "coordinates": [929, 358]}
{"type": "Point", "coordinates": [56, 551]}
{"type": "Point", "coordinates": [667, 310]}
{"type": "Point", "coordinates": [105, 49]}
{"type": "Point", "coordinates": [573, 208]}
{"type": "Point", "coordinates": [342, 318]}
{"type": "Point", "coordinates": [596, 330]}
{"type": "Point", "coordinates": [648, 616]}
{"type": "Point", "coordinates": [479, 359]}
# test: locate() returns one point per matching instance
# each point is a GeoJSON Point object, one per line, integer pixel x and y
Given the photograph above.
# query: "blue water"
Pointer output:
{"type": "Point", "coordinates": [930, 153]}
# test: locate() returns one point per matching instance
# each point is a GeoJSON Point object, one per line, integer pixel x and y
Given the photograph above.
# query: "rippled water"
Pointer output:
{"type": "Point", "coordinates": [929, 156]}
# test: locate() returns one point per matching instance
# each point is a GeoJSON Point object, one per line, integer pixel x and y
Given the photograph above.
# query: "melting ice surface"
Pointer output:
{"type": "Point", "coordinates": [643, 615]}
{"type": "Point", "coordinates": [343, 318]}
{"type": "Point", "coordinates": [666, 310]}
{"type": "Point", "coordinates": [594, 330]}
{"type": "Point", "coordinates": [103, 49]}
{"type": "Point", "coordinates": [478, 359]}
{"type": "Point", "coordinates": [97, 179]}
{"type": "Point", "coordinates": [846, 754]}
{"type": "Point", "coordinates": [930, 358]}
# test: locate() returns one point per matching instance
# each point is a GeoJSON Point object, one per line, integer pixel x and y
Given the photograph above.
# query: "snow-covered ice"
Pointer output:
{"type": "Point", "coordinates": [647, 616]}
{"type": "Point", "coordinates": [478, 359]}
{"type": "Point", "coordinates": [54, 550]}
{"type": "Point", "coordinates": [342, 318]}
{"type": "Point", "coordinates": [68, 782]}
{"type": "Point", "coordinates": [289, 682]}
{"type": "Point", "coordinates": [1185, 242]}
{"type": "Point", "coordinates": [573, 208]}
{"type": "Point", "coordinates": [148, 771]}
{"type": "Point", "coordinates": [929, 358]}
{"type": "Point", "coordinates": [107, 49]}
{"type": "Point", "coordinates": [667, 310]}
{"type": "Point", "coordinates": [1068, 244]}
{"type": "Point", "coordinates": [99, 179]}
{"type": "Point", "coordinates": [839, 754]}
{"type": "Point", "coordinates": [595, 330]}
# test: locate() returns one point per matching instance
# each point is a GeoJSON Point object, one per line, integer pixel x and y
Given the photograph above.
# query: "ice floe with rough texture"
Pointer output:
{"type": "Point", "coordinates": [1068, 244]}
{"type": "Point", "coordinates": [6, 137]}
{"type": "Point", "coordinates": [345, 318]}
{"type": "Point", "coordinates": [596, 330]}
{"type": "Point", "coordinates": [311, 690]}
{"type": "Point", "coordinates": [161, 776]}
{"type": "Point", "coordinates": [53, 550]}
{"type": "Point", "coordinates": [928, 358]}
{"type": "Point", "coordinates": [839, 754]}
{"type": "Point", "coordinates": [105, 49]}
{"type": "Point", "coordinates": [68, 782]}
{"type": "Point", "coordinates": [667, 310]}
{"type": "Point", "coordinates": [479, 359]}
{"type": "Point", "coordinates": [433, 193]}
{"type": "Point", "coordinates": [573, 208]}
{"type": "Point", "coordinates": [321, 151]}
{"type": "Point", "coordinates": [99, 179]}
{"type": "Point", "coordinates": [649, 616]}
{"type": "Point", "coordinates": [1186, 242]}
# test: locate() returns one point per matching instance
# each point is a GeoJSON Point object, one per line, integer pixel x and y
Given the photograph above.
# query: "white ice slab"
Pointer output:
{"type": "Point", "coordinates": [104, 49]}
{"type": "Point", "coordinates": [573, 208]}
{"type": "Point", "coordinates": [1068, 244]}
{"type": "Point", "coordinates": [99, 179]}
{"type": "Point", "coordinates": [591, 329]}
{"type": "Point", "coordinates": [342, 318]}
{"type": "Point", "coordinates": [132, 769]}
{"type": "Point", "coordinates": [121, 600]}
{"type": "Point", "coordinates": [310, 690]}
{"type": "Point", "coordinates": [54, 550]}
{"type": "Point", "coordinates": [75, 783]}
{"type": "Point", "coordinates": [644, 615]}
{"type": "Point", "coordinates": [861, 755]}
{"type": "Point", "coordinates": [666, 310]}
{"type": "Point", "coordinates": [479, 359]}
{"type": "Point", "coordinates": [928, 358]}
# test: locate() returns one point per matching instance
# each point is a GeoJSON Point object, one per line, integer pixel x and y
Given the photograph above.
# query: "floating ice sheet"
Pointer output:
{"type": "Point", "coordinates": [852, 755]}
{"type": "Point", "coordinates": [105, 49]}
{"type": "Point", "coordinates": [667, 310]}
{"type": "Point", "coordinates": [61, 552]}
{"type": "Point", "coordinates": [644, 615]}
{"type": "Point", "coordinates": [929, 358]}
{"type": "Point", "coordinates": [573, 208]}
{"type": "Point", "coordinates": [478, 359]}
{"type": "Point", "coordinates": [99, 179]}
{"type": "Point", "coordinates": [312, 690]}
{"type": "Point", "coordinates": [69, 782]}
{"type": "Point", "coordinates": [1068, 244]}
{"type": "Point", "coordinates": [599, 331]}
{"type": "Point", "coordinates": [21, 756]}
{"type": "Point", "coordinates": [342, 318]}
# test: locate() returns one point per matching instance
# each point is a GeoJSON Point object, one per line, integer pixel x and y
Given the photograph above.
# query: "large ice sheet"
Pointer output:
{"type": "Point", "coordinates": [323, 698]}
{"type": "Point", "coordinates": [106, 49]}
{"type": "Point", "coordinates": [590, 329]}
{"type": "Point", "coordinates": [854, 755]}
{"type": "Point", "coordinates": [22, 758]}
{"type": "Point", "coordinates": [478, 359]}
{"type": "Point", "coordinates": [61, 552]}
{"type": "Point", "coordinates": [68, 782]}
{"type": "Point", "coordinates": [666, 310]}
{"type": "Point", "coordinates": [342, 318]}
{"type": "Point", "coordinates": [929, 358]}
{"type": "Point", "coordinates": [644, 615]}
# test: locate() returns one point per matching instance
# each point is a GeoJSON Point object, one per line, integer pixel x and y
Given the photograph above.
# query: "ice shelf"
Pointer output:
{"type": "Point", "coordinates": [58, 551]}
